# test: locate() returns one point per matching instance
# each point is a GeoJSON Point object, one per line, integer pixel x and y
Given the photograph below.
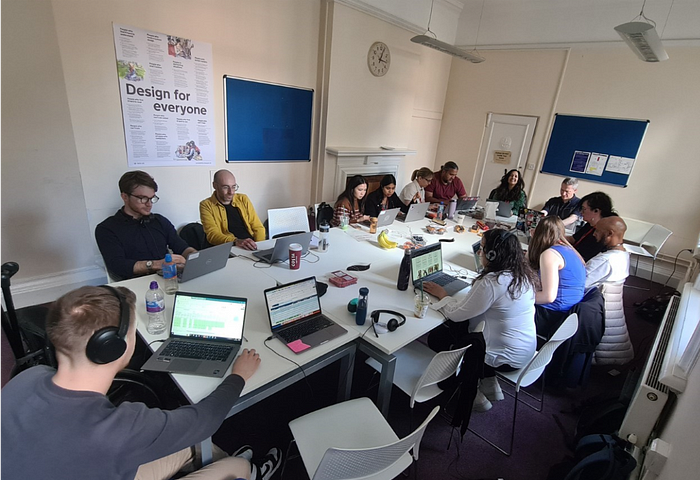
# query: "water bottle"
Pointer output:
{"type": "Point", "coordinates": [324, 232]}
{"type": "Point", "coordinates": [453, 208]}
{"type": "Point", "coordinates": [170, 275]}
{"type": "Point", "coordinates": [361, 314]}
{"type": "Point", "coordinates": [404, 271]}
{"type": "Point", "coordinates": [155, 309]}
{"type": "Point", "coordinates": [441, 211]}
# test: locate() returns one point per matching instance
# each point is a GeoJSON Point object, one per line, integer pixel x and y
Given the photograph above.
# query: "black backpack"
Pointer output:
{"type": "Point", "coordinates": [601, 457]}
{"type": "Point", "coordinates": [324, 214]}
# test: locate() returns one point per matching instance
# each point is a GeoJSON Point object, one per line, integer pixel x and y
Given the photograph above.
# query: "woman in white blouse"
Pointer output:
{"type": "Point", "coordinates": [414, 192]}
{"type": "Point", "coordinates": [503, 298]}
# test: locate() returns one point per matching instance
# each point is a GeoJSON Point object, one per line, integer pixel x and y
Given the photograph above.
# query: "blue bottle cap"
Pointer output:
{"type": "Point", "coordinates": [168, 258]}
{"type": "Point", "coordinates": [154, 285]}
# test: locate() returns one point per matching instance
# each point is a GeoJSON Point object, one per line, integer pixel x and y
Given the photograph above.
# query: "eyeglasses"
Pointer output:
{"type": "Point", "coordinates": [144, 200]}
{"type": "Point", "coordinates": [229, 188]}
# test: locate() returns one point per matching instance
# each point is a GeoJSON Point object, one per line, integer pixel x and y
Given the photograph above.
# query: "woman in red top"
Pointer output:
{"type": "Point", "coordinates": [351, 202]}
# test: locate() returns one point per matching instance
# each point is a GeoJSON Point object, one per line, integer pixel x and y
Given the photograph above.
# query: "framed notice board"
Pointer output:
{"type": "Point", "coordinates": [595, 149]}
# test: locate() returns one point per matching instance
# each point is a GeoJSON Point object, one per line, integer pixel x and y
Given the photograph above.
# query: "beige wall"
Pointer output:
{"type": "Point", "coordinates": [606, 82]}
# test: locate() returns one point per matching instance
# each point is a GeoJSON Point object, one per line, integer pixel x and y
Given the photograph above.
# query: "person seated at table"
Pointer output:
{"type": "Point", "coordinates": [228, 216]}
{"type": "Point", "coordinates": [351, 202]}
{"type": "Point", "coordinates": [567, 206]}
{"type": "Point", "coordinates": [613, 264]}
{"type": "Point", "coordinates": [445, 185]}
{"type": "Point", "coordinates": [562, 274]}
{"type": "Point", "coordinates": [59, 424]}
{"type": "Point", "coordinates": [414, 192]}
{"type": "Point", "coordinates": [384, 198]}
{"type": "Point", "coordinates": [133, 242]}
{"type": "Point", "coordinates": [503, 298]}
{"type": "Point", "coordinates": [511, 189]}
{"type": "Point", "coordinates": [594, 206]}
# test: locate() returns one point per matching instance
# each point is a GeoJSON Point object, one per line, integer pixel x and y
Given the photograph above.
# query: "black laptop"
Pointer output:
{"type": "Point", "coordinates": [295, 316]}
{"type": "Point", "coordinates": [426, 266]}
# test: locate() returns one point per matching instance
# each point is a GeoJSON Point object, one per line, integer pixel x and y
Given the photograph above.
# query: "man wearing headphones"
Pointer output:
{"type": "Point", "coordinates": [59, 424]}
{"type": "Point", "coordinates": [134, 241]}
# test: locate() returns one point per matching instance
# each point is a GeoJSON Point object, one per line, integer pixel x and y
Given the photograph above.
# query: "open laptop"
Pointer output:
{"type": "Point", "coordinates": [206, 333]}
{"type": "Point", "coordinates": [205, 261]}
{"type": "Point", "coordinates": [280, 252]}
{"type": "Point", "coordinates": [296, 318]}
{"type": "Point", "coordinates": [416, 211]}
{"type": "Point", "coordinates": [426, 266]}
{"type": "Point", "coordinates": [504, 209]}
{"type": "Point", "coordinates": [387, 217]}
{"type": "Point", "coordinates": [466, 203]}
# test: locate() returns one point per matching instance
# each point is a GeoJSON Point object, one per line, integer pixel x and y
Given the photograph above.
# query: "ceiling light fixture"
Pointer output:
{"type": "Point", "coordinates": [443, 47]}
{"type": "Point", "coordinates": [642, 38]}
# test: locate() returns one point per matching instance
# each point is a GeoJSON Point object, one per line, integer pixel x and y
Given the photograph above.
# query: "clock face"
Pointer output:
{"type": "Point", "coordinates": [378, 59]}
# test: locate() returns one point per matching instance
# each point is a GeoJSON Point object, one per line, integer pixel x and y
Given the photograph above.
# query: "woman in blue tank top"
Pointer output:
{"type": "Point", "coordinates": [562, 274]}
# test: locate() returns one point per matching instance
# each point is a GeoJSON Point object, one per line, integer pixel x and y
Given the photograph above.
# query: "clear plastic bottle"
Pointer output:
{"type": "Point", "coordinates": [404, 271]}
{"type": "Point", "coordinates": [155, 308]}
{"type": "Point", "coordinates": [361, 313]}
{"type": "Point", "coordinates": [170, 275]}
{"type": "Point", "coordinates": [441, 211]}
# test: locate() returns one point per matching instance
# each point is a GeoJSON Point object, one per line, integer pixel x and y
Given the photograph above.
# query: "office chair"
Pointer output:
{"type": "Point", "coordinates": [529, 374]}
{"type": "Point", "coordinates": [286, 221]}
{"type": "Point", "coordinates": [649, 248]}
{"type": "Point", "coordinates": [352, 440]}
{"type": "Point", "coordinates": [193, 234]}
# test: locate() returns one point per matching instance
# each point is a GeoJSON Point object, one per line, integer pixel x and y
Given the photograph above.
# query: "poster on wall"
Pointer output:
{"type": "Point", "coordinates": [165, 82]}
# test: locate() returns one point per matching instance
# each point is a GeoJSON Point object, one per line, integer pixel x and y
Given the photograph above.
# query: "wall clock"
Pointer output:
{"type": "Point", "coordinates": [378, 59]}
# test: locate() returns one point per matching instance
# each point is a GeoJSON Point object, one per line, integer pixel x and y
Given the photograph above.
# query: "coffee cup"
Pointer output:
{"type": "Point", "coordinates": [459, 218]}
{"type": "Point", "coordinates": [294, 256]}
{"type": "Point", "coordinates": [421, 300]}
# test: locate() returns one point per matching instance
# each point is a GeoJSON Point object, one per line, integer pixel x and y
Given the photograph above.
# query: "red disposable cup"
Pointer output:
{"type": "Point", "coordinates": [294, 256]}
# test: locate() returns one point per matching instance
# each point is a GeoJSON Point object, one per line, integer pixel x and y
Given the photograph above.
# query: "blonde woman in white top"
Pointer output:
{"type": "Point", "coordinates": [414, 192]}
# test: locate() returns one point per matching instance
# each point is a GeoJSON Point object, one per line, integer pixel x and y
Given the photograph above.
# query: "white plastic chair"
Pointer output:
{"type": "Point", "coordinates": [529, 374]}
{"type": "Point", "coordinates": [287, 220]}
{"type": "Point", "coordinates": [352, 440]}
{"type": "Point", "coordinates": [649, 247]}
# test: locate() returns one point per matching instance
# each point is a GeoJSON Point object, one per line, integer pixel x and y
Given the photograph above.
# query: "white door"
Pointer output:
{"type": "Point", "coordinates": [506, 145]}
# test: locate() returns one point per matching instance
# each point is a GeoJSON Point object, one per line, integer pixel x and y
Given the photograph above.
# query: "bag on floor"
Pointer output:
{"type": "Point", "coordinates": [601, 457]}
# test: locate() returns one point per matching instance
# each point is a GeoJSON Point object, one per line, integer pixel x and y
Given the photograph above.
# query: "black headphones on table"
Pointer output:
{"type": "Point", "coordinates": [491, 254]}
{"type": "Point", "coordinates": [109, 343]}
{"type": "Point", "coordinates": [391, 325]}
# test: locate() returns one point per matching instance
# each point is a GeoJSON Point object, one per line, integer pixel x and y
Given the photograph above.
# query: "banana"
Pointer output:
{"type": "Point", "coordinates": [384, 241]}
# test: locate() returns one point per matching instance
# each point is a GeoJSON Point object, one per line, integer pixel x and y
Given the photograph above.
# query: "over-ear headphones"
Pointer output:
{"type": "Point", "coordinates": [389, 326]}
{"type": "Point", "coordinates": [109, 343]}
{"type": "Point", "coordinates": [491, 254]}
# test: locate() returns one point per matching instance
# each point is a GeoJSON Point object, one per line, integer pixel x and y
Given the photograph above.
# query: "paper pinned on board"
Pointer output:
{"type": "Point", "coordinates": [620, 165]}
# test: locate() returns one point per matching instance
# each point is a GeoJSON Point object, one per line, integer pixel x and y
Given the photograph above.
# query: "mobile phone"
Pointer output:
{"type": "Point", "coordinates": [418, 238]}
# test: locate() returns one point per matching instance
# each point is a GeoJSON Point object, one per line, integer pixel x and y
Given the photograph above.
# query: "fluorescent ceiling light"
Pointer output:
{"type": "Point", "coordinates": [643, 40]}
{"type": "Point", "coordinates": [446, 48]}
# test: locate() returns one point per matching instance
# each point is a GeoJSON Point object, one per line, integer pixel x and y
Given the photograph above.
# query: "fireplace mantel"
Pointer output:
{"type": "Point", "coordinates": [368, 152]}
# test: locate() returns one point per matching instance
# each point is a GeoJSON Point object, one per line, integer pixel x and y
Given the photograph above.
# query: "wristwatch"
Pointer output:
{"type": "Point", "coordinates": [149, 265]}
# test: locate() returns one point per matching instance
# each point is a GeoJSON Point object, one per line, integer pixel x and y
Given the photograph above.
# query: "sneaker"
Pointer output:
{"type": "Point", "coordinates": [489, 386]}
{"type": "Point", "coordinates": [264, 468]}
{"type": "Point", "coordinates": [481, 403]}
{"type": "Point", "coordinates": [246, 451]}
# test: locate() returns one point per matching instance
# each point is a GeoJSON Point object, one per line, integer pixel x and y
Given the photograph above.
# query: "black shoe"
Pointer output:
{"type": "Point", "coordinates": [264, 468]}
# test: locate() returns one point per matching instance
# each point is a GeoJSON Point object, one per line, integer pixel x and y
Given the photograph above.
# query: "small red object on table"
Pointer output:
{"type": "Point", "coordinates": [342, 279]}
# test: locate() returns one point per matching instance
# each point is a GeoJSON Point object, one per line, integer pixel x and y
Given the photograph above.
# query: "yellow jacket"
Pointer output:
{"type": "Point", "coordinates": [213, 216]}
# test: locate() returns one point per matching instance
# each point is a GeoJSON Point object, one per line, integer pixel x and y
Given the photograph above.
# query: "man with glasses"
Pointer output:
{"type": "Point", "coordinates": [567, 205]}
{"type": "Point", "coordinates": [229, 216]}
{"type": "Point", "coordinates": [134, 241]}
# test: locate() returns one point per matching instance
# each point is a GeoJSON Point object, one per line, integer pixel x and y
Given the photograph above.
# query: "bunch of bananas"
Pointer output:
{"type": "Point", "coordinates": [384, 241]}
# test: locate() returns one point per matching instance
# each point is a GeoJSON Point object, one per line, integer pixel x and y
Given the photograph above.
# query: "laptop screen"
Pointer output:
{"type": "Point", "coordinates": [208, 317]}
{"type": "Point", "coordinates": [426, 261]}
{"type": "Point", "coordinates": [291, 302]}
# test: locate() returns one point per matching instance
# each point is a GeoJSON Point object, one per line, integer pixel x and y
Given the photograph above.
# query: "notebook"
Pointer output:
{"type": "Point", "coordinates": [416, 211]}
{"type": "Point", "coordinates": [280, 252]}
{"type": "Point", "coordinates": [296, 318]}
{"type": "Point", "coordinates": [205, 261]}
{"type": "Point", "coordinates": [426, 266]}
{"type": "Point", "coordinates": [387, 217]}
{"type": "Point", "coordinates": [206, 333]}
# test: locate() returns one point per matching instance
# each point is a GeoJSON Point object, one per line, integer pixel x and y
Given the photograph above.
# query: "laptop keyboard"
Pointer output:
{"type": "Point", "coordinates": [196, 350]}
{"type": "Point", "coordinates": [303, 329]}
{"type": "Point", "coordinates": [443, 279]}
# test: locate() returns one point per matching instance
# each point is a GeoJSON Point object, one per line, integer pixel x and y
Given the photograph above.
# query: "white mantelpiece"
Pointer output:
{"type": "Point", "coordinates": [365, 161]}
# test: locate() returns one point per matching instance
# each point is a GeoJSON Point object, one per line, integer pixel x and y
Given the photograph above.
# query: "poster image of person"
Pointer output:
{"type": "Point", "coordinates": [131, 71]}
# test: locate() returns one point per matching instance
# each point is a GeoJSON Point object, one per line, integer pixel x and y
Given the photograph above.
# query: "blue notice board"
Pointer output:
{"type": "Point", "coordinates": [594, 149]}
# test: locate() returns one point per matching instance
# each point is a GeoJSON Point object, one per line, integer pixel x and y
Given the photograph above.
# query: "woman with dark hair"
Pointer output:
{"type": "Point", "coordinates": [511, 189]}
{"type": "Point", "coordinates": [594, 206]}
{"type": "Point", "coordinates": [562, 274]}
{"type": "Point", "coordinates": [384, 198]}
{"type": "Point", "coordinates": [414, 192]}
{"type": "Point", "coordinates": [351, 202]}
{"type": "Point", "coordinates": [502, 298]}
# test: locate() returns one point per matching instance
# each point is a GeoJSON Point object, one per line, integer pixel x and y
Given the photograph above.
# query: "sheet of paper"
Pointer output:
{"type": "Point", "coordinates": [596, 164]}
{"type": "Point", "coordinates": [620, 165]}
{"type": "Point", "coordinates": [579, 161]}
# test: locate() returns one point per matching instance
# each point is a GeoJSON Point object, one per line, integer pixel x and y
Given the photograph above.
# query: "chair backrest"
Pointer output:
{"type": "Point", "coordinates": [348, 464]}
{"type": "Point", "coordinates": [285, 220]}
{"type": "Point", "coordinates": [655, 239]}
{"type": "Point", "coordinates": [442, 366]}
{"type": "Point", "coordinates": [193, 234]}
{"type": "Point", "coordinates": [539, 362]}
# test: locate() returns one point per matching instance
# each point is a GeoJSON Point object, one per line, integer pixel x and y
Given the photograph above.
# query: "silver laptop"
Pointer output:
{"type": "Point", "coordinates": [296, 318]}
{"type": "Point", "coordinates": [205, 261]}
{"type": "Point", "coordinates": [280, 252]}
{"type": "Point", "coordinates": [206, 333]}
{"type": "Point", "coordinates": [426, 266]}
{"type": "Point", "coordinates": [417, 211]}
{"type": "Point", "coordinates": [504, 209]}
{"type": "Point", "coordinates": [387, 217]}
